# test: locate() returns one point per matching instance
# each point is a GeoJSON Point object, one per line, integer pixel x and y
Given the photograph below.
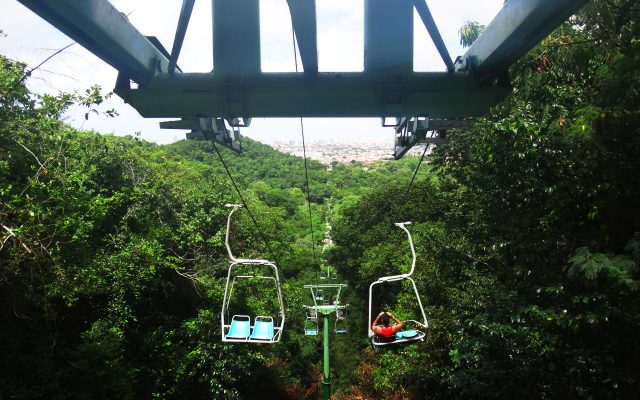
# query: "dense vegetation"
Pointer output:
{"type": "Point", "coordinates": [112, 262]}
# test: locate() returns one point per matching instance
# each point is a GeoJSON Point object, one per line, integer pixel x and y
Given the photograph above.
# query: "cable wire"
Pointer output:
{"type": "Point", "coordinates": [32, 70]}
{"type": "Point", "coordinates": [246, 206]}
{"type": "Point", "coordinates": [304, 153]}
{"type": "Point", "coordinates": [404, 199]}
{"type": "Point", "coordinates": [306, 173]}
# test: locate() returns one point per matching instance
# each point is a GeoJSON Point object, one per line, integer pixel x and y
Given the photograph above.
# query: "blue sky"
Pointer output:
{"type": "Point", "coordinates": [340, 46]}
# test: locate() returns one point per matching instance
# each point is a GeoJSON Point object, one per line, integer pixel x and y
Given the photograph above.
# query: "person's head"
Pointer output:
{"type": "Point", "coordinates": [384, 319]}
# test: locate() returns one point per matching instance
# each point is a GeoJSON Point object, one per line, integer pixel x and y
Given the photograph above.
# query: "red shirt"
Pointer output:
{"type": "Point", "coordinates": [386, 331]}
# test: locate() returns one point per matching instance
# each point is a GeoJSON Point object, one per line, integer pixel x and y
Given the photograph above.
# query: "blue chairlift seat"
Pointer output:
{"type": "Point", "coordinates": [311, 327]}
{"type": "Point", "coordinates": [240, 327]}
{"type": "Point", "coordinates": [262, 328]}
{"type": "Point", "coordinates": [407, 334]}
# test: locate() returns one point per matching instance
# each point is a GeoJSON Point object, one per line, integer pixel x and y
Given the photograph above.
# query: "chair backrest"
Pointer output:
{"type": "Point", "coordinates": [262, 328]}
{"type": "Point", "coordinates": [240, 327]}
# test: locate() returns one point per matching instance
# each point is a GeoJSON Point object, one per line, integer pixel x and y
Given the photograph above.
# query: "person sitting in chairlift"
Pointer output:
{"type": "Point", "coordinates": [381, 326]}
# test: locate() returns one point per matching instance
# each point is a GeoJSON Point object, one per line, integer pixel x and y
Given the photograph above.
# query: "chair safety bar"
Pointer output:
{"type": "Point", "coordinates": [228, 298]}
{"type": "Point", "coordinates": [234, 207]}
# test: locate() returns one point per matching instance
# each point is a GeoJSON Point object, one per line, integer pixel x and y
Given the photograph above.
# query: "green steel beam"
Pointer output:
{"type": "Point", "coordinates": [236, 37]}
{"type": "Point", "coordinates": [430, 24]}
{"type": "Point", "coordinates": [326, 378]}
{"type": "Point", "coordinates": [388, 87]}
{"type": "Point", "coordinates": [388, 36]}
{"type": "Point", "coordinates": [326, 310]}
{"type": "Point", "coordinates": [331, 288]}
{"type": "Point", "coordinates": [181, 31]}
{"type": "Point", "coordinates": [437, 94]}
{"type": "Point", "coordinates": [303, 20]}
{"type": "Point", "coordinates": [106, 32]}
{"type": "Point", "coordinates": [518, 27]}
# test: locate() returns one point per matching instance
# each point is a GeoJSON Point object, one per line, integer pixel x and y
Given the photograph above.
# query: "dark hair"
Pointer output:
{"type": "Point", "coordinates": [384, 318]}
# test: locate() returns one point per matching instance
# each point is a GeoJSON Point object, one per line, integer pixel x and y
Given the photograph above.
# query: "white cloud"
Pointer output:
{"type": "Point", "coordinates": [275, 37]}
{"type": "Point", "coordinates": [340, 35]}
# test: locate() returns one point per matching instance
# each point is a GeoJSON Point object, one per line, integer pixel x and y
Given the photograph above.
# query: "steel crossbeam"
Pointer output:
{"type": "Point", "coordinates": [303, 20]}
{"type": "Point", "coordinates": [237, 87]}
{"type": "Point", "coordinates": [356, 94]}
{"type": "Point", "coordinates": [518, 27]}
{"type": "Point", "coordinates": [107, 33]}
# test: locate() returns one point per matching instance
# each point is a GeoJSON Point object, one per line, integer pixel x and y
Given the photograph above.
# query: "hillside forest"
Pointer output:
{"type": "Point", "coordinates": [526, 229]}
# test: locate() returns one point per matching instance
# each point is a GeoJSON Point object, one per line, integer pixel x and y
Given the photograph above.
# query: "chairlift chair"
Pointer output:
{"type": "Point", "coordinates": [326, 301]}
{"type": "Point", "coordinates": [417, 329]}
{"type": "Point", "coordinates": [311, 327]}
{"type": "Point", "coordinates": [239, 328]}
{"type": "Point", "coordinates": [341, 318]}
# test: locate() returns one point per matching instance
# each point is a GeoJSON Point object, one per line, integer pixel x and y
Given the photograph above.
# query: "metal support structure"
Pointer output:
{"type": "Point", "coordinates": [326, 309]}
{"type": "Point", "coordinates": [236, 38]}
{"type": "Point", "coordinates": [388, 86]}
{"type": "Point", "coordinates": [328, 94]}
{"type": "Point", "coordinates": [430, 24]}
{"type": "Point", "coordinates": [388, 37]}
{"type": "Point", "coordinates": [326, 378]}
{"type": "Point", "coordinates": [107, 33]}
{"type": "Point", "coordinates": [423, 130]}
{"type": "Point", "coordinates": [181, 31]}
{"type": "Point", "coordinates": [517, 28]}
{"type": "Point", "coordinates": [303, 20]}
{"type": "Point", "coordinates": [208, 129]}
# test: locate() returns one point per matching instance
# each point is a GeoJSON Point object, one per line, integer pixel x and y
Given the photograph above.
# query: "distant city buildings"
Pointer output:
{"type": "Point", "coordinates": [342, 152]}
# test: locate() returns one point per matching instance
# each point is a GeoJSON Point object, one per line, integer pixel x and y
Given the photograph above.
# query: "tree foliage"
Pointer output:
{"type": "Point", "coordinates": [469, 32]}
{"type": "Point", "coordinates": [534, 241]}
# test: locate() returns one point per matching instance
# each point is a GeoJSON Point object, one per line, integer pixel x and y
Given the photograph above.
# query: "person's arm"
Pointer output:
{"type": "Point", "coordinates": [399, 324]}
{"type": "Point", "coordinates": [374, 327]}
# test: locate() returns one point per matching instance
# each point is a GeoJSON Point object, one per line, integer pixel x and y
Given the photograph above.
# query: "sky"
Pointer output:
{"type": "Point", "coordinates": [30, 39]}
